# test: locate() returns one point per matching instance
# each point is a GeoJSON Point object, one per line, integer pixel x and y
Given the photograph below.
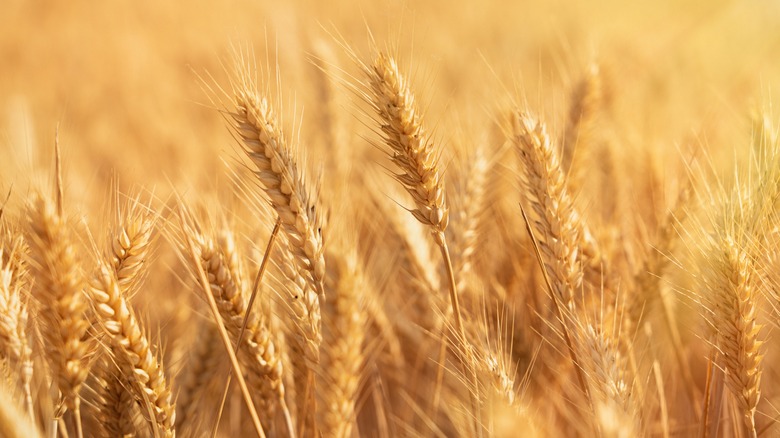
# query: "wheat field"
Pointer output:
{"type": "Point", "coordinates": [389, 219]}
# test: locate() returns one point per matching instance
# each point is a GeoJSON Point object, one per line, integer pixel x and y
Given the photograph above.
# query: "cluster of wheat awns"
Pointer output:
{"type": "Point", "coordinates": [377, 321]}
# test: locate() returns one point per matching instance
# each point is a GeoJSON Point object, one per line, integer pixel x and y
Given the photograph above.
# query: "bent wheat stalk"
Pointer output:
{"type": "Point", "coordinates": [417, 160]}
{"type": "Point", "coordinates": [414, 155]}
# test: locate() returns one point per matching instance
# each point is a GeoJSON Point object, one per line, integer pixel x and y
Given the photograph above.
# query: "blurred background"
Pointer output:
{"type": "Point", "coordinates": [123, 79]}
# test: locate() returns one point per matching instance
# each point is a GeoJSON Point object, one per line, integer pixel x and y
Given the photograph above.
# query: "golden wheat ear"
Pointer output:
{"type": "Point", "coordinates": [343, 349]}
{"type": "Point", "coordinates": [113, 402]}
{"type": "Point", "coordinates": [257, 353]}
{"type": "Point", "coordinates": [58, 290]}
{"type": "Point", "coordinates": [557, 225]}
{"type": "Point", "coordinates": [730, 308]}
{"type": "Point", "coordinates": [280, 175]}
{"type": "Point", "coordinates": [133, 351]}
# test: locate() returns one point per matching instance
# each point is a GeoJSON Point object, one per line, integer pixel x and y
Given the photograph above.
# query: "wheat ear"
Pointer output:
{"type": "Point", "coordinates": [301, 302]}
{"type": "Point", "coordinates": [202, 365]}
{"type": "Point", "coordinates": [410, 149]}
{"type": "Point", "coordinates": [257, 353]}
{"type": "Point", "coordinates": [344, 357]}
{"type": "Point", "coordinates": [556, 223]}
{"type": "Point", "coordinates": [468, 219]}
{"type": "Point", "coordinates": [115, 404]}
{"type": "Point", "coordinates": [415, 157]}
{"type": "Point", "coordinates": [14, 345]}
{"type": "Point", "coordinates": [731, 309]}
{"type": "Point", "coordinates": [554, 231]}
{"type": "Point", "coordinates": [292, 198]}
{"type": "Point", "coordinates": [608, 381]}
{"type": "Point", "coordinates": [58, 289]}
{"type": "Point", "coordinates": [133, 349]}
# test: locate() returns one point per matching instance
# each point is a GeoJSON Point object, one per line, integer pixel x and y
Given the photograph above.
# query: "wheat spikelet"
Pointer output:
{"type": "Point", "coordinates": [133, 349]}
{"type": "Point", "coordinates": [58, 289]}
{"type": "Point", "coordinates": [283, 181]}
{"type": "Point", "coordinates": [130, 244]}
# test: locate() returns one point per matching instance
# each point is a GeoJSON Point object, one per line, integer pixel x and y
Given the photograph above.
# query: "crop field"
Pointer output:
{"type": "Point", "coordinates": [389, 218]}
